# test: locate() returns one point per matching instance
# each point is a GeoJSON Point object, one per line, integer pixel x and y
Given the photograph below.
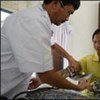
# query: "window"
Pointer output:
{"type": "Point", "coordinates": [4, 15]}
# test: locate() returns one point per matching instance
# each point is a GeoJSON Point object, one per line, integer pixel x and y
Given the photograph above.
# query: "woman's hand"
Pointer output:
{"type": "Point", "coordinates": [83, 84]}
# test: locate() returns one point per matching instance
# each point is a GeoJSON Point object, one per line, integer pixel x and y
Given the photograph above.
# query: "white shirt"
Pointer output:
{"type": "Point", "coordinates": [25, 48]}
{"type": "Point", "coordinates": [62, 34]}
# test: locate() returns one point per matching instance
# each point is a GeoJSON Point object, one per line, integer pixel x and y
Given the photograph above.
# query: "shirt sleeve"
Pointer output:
{"type": "Point", "coordinates": [30, 43]}
{"type": "Point", "coordinates": [83, 63]}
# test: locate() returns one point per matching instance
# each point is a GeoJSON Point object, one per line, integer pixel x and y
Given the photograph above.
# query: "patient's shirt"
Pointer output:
{"type": "Point", "coordinates": [91, 64]}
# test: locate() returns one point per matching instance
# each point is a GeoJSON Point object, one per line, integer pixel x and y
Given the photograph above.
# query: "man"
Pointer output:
{"type": "Point", "coordinates": [26, 48]}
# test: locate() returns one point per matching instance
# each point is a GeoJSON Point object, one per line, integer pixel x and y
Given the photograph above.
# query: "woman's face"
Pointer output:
{"type": "Point", "coordinates": [96, 43]}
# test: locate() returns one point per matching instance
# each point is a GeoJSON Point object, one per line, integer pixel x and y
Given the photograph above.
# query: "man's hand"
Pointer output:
{"type": "Point", "coordinates": [63, 53]}
{"type": "Point", "coordinates": [74, 64]}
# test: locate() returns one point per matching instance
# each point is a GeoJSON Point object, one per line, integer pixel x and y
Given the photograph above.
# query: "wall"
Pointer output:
{"type": "Point", "coordinates": [84, 22]}
{"type": "Point", "coordinates": [16, 5]}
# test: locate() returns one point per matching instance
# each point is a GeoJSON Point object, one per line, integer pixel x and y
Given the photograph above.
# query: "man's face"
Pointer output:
{"type": "Point", "coordinates": [62, 14]}
{"type": "Point", "coordinates": [96, 43]}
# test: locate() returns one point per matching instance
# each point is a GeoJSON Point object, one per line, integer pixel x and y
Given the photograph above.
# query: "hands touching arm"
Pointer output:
{"type": "Point", "coordinates": [55, 79]}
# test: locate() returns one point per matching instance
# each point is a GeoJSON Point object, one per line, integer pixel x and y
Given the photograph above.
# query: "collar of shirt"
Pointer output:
{"type": "Point", "coordinates": [45, 14]}
{"type": "Point", "coordinates": [96, 57]}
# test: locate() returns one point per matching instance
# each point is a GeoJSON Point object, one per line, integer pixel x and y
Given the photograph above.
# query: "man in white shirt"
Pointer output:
{"type": "Point", "coordinates": [26, 47]}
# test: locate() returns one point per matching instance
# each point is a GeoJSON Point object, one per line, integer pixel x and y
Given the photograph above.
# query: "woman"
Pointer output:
{"type": "Point", "coordinates": [91, 63]}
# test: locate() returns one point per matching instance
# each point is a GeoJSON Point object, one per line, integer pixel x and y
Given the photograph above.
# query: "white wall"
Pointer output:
{"type": "Point", "coordinates": [84, 22]}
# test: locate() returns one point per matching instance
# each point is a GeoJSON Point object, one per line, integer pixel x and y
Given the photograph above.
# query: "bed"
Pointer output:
{"type": "Point", "coordinates": [45, 91]}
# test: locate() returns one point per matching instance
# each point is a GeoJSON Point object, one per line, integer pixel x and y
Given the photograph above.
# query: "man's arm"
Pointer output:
{"type": "Point", "coordinates": [55, 79]}
{"type": "Point", "coordinates": [72, 62]}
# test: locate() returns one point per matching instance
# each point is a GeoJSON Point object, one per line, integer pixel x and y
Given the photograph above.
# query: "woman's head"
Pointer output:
{"type": "Point", "coordinates": [96, 40]}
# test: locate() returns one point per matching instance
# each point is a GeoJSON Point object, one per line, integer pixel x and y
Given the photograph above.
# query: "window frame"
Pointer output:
{"type": "Point", "coordinates": [5, 11]}
{"type": "Point", "coordinates": [99, 17]}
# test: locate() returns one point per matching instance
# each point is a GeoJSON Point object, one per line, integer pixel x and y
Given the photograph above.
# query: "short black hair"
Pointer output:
{"type": "Point", "coordinates": [47, 1]}
{"type": "Point", "coordinates": [75, 3]}
{"type": "Point", "coordinates": [97, 31]}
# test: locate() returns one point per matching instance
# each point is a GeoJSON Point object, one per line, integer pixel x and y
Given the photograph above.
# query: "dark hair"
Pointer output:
{"type": "Point", "coordinates": [47, 1]}
{"type": "Point", "coordinates": [97, 31]}
{"type": "Point", "coordinates": [75, 3]}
